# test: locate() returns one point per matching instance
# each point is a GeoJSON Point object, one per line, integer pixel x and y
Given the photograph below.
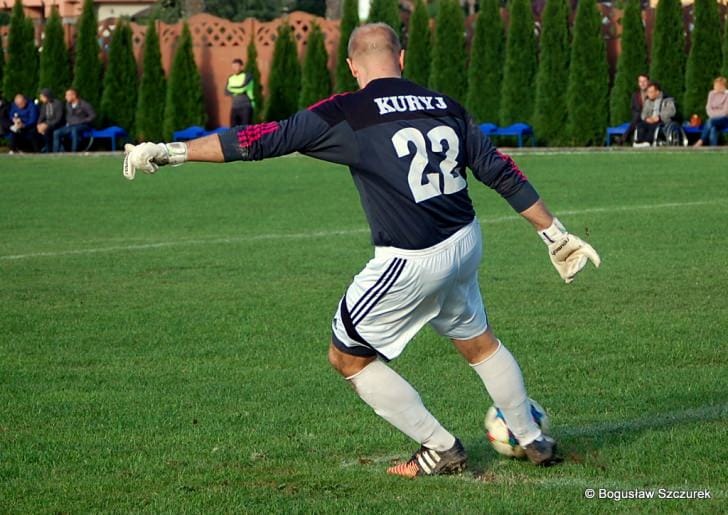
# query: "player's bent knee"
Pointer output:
{"type": "Point", "coordinates": [479, 348]}
{"type": "Point", "coordinates": [346, 364]}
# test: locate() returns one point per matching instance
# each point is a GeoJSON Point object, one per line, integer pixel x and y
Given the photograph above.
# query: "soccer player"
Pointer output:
{"type": "Point", "coordinates": [407, 149]}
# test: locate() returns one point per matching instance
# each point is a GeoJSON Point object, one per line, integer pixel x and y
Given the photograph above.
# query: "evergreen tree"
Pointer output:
{"type": "Point", "coordinates": [705, 59]}
{"type": "Point", "coordinates": [724, 69]}
{"type": "Point", "coordinates": [668, 48]}
{"type": "Point", "coordinates": [284, 83]}
{"type": "Point", "coordinates": [385, 11]}
{"type": "Point", "coordinates": [587, 92]}
{"type": "Point", "coordinates": [485, 72]}
{"type": "Point", "coordinates": [549, 117]}
{"type": "Point", "coordinates": [2, 71]}
{"type": "Point", "coordinates": [87, 69]}
{"type": "Point", "coordinates": [55, 69]}
{"type": "Point", "coordinates": [21, 68]}
{"type": "Point", "coordinates": [349, 21]}
{"type": "Point", "coordinates": [185, 105]}
{"type": "Point", "coordinates": [317, 7]}
{"type": "Point", "coordinates": [419, 46]}
{"type": "Point", "coordinates": [315, 78]}
{"type": "Point", "coordinates": [251, 69]}
{"type": "Point", "coordinates": [632, 62]}
{"type": "Point", "coordinates": [152, 90]}
{"type": "Point", "coordinates": [448, 52]}
{"type": "Point", "coordinates": [519, 73]}
{"type": "Point", "coordinates": [119, 99]}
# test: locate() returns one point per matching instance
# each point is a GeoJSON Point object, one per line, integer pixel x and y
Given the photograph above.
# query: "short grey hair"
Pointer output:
{"type": "Point", "coordinates": [385, 39]}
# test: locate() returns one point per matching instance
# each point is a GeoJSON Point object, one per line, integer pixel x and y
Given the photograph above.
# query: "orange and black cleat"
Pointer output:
{"type": "Point", "coordinates": [429, 462]}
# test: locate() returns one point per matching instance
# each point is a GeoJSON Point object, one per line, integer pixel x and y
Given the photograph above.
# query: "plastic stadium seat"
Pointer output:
{"type": "Point", "coordinates": [519, 130]}
{"type": "Point", "coordinates": [619, 130]}
{"type": "Point", "coordinates": [189, 133]}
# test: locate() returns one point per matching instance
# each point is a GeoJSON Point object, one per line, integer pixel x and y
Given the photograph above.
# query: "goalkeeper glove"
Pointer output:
{"type": "Point", "coordinates": [568, 253]}
{"type": "Point", "coordinates": [148, 157]}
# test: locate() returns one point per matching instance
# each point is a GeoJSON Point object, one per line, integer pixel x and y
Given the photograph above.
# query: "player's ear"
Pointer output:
{"type": "Point", "coordinates": [352, 67]}
{"type": "Point", "coordinates": [401, 59]}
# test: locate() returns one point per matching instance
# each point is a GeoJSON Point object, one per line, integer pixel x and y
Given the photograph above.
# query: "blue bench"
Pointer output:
{"type": "Point", "coordinates": [189, 133]}
{"type": "Point", "coordinates": [488, 128]}
{"type": "Point", "coordinates": [619, 130]}
{"type": "Point", "coordinates": [518, 130]}
{"type": "Point", "coordinates": [216, 131]}
{"type": "Point", "coordinates": [112, 133]}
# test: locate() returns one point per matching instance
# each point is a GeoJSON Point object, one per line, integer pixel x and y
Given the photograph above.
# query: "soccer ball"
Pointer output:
{"type": "Point", "coordinates": [501, 438]}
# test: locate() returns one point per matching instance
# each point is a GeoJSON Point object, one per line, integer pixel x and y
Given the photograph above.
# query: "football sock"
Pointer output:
{"type": "Point", "coordinates": [397, 402]}
{"type": "Point", "coordinates": [503, 380]}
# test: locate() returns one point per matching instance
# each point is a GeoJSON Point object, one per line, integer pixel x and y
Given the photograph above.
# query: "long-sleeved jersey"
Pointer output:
{"type": "Point", "coordinates": [407, 148]}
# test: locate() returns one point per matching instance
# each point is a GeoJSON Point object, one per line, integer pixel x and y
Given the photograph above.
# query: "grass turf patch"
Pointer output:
{"type": "Point", "coordinates": [164, 341]}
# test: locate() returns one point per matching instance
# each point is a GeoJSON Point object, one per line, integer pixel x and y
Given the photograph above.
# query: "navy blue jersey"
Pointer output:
{"type": "Point", "coordinates": [407, 148]}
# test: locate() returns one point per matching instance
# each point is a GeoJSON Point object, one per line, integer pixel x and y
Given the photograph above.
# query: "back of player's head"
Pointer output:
{"type": "Point", "coordinates": [374, 39]}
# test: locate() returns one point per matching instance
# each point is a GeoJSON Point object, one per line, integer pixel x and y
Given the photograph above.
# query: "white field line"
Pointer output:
{"type": "Point", "coordinates": [703, 413]}
{"type": "Point", "coordinates": [325, 234]}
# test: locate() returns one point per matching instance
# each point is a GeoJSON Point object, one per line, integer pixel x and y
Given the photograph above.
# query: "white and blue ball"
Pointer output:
{"type": "Point", "coordinates": [501, 437]}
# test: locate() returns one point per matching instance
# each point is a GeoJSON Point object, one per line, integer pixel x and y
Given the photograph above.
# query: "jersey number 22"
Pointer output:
{"type": "Point", "coordinates": [425, 186]}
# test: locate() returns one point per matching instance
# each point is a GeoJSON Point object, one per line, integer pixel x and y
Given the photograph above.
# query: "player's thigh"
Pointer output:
{"type": "Point", "coordinates": [386, 304]}
{"type": "Point", "coordinates": [462, 314]}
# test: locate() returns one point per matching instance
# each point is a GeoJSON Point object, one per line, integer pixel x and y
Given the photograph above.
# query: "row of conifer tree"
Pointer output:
{"type": "Point", "coordinates": [558, 81]}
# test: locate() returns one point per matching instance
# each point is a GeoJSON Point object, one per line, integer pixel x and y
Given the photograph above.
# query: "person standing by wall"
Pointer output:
{"type": "Point", "coordinates": [239, 86]}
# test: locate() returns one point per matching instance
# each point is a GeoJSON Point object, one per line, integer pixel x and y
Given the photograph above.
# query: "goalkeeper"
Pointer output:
{"type": "Point", "coordinates": [407, 149]}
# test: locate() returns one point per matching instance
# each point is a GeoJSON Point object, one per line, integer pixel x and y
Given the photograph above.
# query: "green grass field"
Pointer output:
{"type": "Point", "coordinates": [163, 342]}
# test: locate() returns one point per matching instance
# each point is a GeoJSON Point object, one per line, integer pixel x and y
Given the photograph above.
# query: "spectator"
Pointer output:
{"type": "Point", "coordinates": [658, 110]}
{"type": "Point", "coordinates": [240, 87]}
{"type": "Point", "coordinates": [638, 101]}
{"type": "Point", "coordinates": [23, 117]}
{"type": "Point", "coordinates": [717, 109]}
{"type": "Point", "coordinates": [50, 118]}
{"type": "Point", "coordinates": [79, 115]}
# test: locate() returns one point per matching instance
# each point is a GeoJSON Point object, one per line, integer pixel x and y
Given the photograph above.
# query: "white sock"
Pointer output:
{"type": "Point", "coordinates": [394, 399]}
{"type": "Point", "coordinates": [503, 380]}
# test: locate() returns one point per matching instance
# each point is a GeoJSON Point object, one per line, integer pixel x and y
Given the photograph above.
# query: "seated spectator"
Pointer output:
{"type": "Point", "coordinates": [717, 109]}
{"type": "Point", "coordinates": [23, 117]}
{"type": "Point", "coordinates": [49, 119]}
{"type": "Point", "coordinates": [638, 102]}
{"type": "Point", "coordinates": [658, 110]}
{"type": "Point", "coordinates": [79, 115]}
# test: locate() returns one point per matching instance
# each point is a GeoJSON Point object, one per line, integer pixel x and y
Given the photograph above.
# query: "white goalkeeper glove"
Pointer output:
{"type": "Point", "coordinates": [148, 157]}
{"type": "Point", "coordinates": [568, 253]}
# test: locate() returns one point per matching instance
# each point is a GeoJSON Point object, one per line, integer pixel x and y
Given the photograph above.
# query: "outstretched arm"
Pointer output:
{"type": "Point", "coordinates": [305, 131]}
{"type": "Point", "coordinates": [148, 157]}
{"type": "Point", "coordinates": [207, 148]}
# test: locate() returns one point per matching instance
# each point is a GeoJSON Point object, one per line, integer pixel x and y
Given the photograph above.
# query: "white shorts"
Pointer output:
{"type": "Point", "coordinates": [399, 291]}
